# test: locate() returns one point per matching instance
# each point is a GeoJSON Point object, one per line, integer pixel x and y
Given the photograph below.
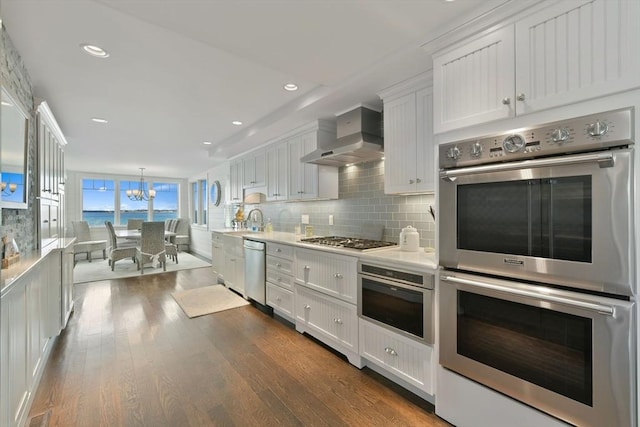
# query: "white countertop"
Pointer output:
{"type": "Point", "coordinates": [392, 257]}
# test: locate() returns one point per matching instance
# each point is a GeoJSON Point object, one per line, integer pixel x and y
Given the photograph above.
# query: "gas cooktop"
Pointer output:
{"type": "Point", "coordinates": [349, 242]}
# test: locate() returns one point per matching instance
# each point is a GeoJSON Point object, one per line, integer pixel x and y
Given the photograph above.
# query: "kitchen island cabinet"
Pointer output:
{"type": "Point", "coordinates": [540, 61]}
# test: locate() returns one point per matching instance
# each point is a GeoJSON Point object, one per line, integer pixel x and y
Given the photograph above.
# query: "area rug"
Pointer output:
{"type": "Point", "coordinates": [207, 300]}
{"type": "Point", "coordinates": [99, 269]}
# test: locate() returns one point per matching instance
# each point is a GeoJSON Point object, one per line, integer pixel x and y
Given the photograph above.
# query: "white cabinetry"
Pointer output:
{"type": "Point", "coordinates": [236, 177]}
{"type": "Point", "coordinates": [67, 285]}
{"type": "Point", "coordinates": [408, 138]}
{"type": "Point", "coordinates": [277, 172]}
{"type": "Point", "coordinates": [254, 169]}
{"type": "Point", "coordinates": [325, 299]}
{"type": "Point", "coordinates": [565, 53]}
{"type": "Point", "coordinates": [280, 279]}
{"type": "Point", "coordinates": [409, 361]}
{"type": "Point", "coordinates": [51, 143]}
{"type": "Point", "coordinates": [234, 263]}
{"type": "Point", "coordinates": [217, 254]}
{"type": "Point", "coordinates": [308, 181]}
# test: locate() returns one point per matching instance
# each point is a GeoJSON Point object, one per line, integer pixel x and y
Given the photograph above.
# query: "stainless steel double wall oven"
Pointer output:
{"type": "Point", "coordinates": [537, 295]}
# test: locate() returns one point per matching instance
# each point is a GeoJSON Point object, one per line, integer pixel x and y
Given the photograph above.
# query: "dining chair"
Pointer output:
{"type": "Point", "coordinates": [118, 251]}
{"type": "Point", "coordinates": [181, 228]}
{"type": "Point", "coordinates": [84, 243]}
{"type": "Point", "coordinates": [134, 224]}
{"type": "Point", "coordinates": [152, 245]}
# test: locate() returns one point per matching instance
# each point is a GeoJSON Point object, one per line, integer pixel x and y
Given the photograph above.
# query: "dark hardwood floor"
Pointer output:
{"type": "Point", "coordinates": [130, 357]}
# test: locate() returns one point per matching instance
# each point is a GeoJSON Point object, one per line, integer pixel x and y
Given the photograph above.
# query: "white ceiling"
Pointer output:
{"type": "Point", "coordinates": [180, 71]}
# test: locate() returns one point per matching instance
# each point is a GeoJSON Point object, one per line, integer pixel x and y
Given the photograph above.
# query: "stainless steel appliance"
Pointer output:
{"type": "Point", "coordinates": [537, 295]}
{"type": "Point", "coordinates": [254, 270]}
{"type": "Point", "coordinates": [400, 300]}
{"type": "Point", "coordinates": [515, 210]}
{"type": "Point", "coordinates": [349, 242]}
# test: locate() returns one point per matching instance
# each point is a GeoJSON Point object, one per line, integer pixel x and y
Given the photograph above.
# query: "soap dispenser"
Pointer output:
{"type": "Point", "coordinates": [269, 227]}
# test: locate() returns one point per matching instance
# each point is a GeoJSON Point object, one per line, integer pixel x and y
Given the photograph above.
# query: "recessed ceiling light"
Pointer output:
{"type": "Point", "coordinates": [236, 122]}
{"type": "Point", "coordinates": [7, 104]}
{"type": "Point", "coordinates": [290, 87]}
{"type": "Point", "coordinates": [207, 142]}
{"type": "Point", "coordinates": [99, 120]}
{"type": "Point", "coordinates": [94, 50]}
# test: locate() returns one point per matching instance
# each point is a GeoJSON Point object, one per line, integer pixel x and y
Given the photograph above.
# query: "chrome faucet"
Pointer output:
{"type": "Point", "coordinates": [252, 217]}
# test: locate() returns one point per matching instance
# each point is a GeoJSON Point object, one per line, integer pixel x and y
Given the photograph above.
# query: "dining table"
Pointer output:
{"type": "Point", "coordinates": [136, 234]}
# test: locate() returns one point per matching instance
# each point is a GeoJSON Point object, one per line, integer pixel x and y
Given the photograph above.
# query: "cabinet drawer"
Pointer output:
{"type": "Point", "coordinates": [277, 278]}
{"type": "Point", "coordinates": [280, 265]}
{"type": "Point", "coordinates": [281, 251]}
{"type": "Point", "coordinates": [334, 275]}
{"type": "Point", "coordinates": [217, 237]}
{"type": "Point", "coordinates": [407, 359]}
{"type": "Point", "coordinates": [332, 320]}
{"type": "Point", "coordinates": [281, 300]}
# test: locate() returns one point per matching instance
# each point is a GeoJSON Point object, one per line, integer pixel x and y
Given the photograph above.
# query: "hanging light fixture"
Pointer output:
{"type": "Point", "coordinates": [139, 193]}
{"type": "Point", "coordinates": [10, 191]}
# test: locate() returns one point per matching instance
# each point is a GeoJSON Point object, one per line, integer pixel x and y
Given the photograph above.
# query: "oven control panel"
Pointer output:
{"type": "Point", "coordinates": [586, 133]}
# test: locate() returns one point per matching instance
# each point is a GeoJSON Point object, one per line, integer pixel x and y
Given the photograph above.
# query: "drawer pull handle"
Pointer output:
{"type": "Point", "coordinates": [278, 265]}
{"type": "Point", "coordinates": [278, 250]}
{"type": "Point", "coordinates": [390, 351]}
{"type": "Point", "coordinates": [278, 299]}
{"type": "Point", "coordinates": [307, 306]}
{"type": "Point", "coordinates": [338, 320]}
{"type": "Point", "coordinates": [279, 279]}
{"type": "Point", "coordinates": [306, 267]}
{"type": "Point", "coordinates": [338, 276]}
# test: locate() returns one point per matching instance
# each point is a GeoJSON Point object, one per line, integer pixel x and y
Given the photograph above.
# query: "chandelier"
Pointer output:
{"type": "Point", "coordinates": [140, 193]}
{"type": "Point", "coordinates": [12, 188]}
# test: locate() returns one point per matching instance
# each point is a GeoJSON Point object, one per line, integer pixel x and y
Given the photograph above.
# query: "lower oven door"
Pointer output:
{"type": "Point", "coordinates": [568, 354]}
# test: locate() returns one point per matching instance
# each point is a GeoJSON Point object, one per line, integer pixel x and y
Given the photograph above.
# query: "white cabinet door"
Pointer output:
{"type": "Point", "coordinates": [235, 181]}
{"type": "Point", "coordinates": [53, 271]}
{"type": "Point", "coordinates": [13, 329]}
{"type": "Point", "coordinates": [281, 300]}
{"type": "Point", "coordinates": [407, 359]}
{"type": "Point", "coordinates": [334, 275]}
{"type": "Point", "coordinates": [277, 172]}
{"type": "Point", "coordinates": [217, 259]}
{"type": "Point", "coordinates": [303, 177]}
{"type": "Point", "coordinates": [576, 50]}
{"type": "Point", "coordinates": [400, 140]}
{"type": "Point", "coordinates": [425, 151]}
{"type": "Point", "coordinates": [36, 284]}
{"type": "Point", "coordinates": [254, 169]}
{"type": "Point", "coordinates": [473, 82]}
{"type": "Point", "coordinates": [67, 285]}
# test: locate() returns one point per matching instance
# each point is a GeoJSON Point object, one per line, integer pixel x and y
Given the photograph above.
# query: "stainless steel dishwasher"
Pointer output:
{"type": "Point", "coordinates": [254, 270]}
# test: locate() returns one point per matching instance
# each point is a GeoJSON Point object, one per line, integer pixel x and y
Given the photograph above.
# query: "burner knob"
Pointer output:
{"type": "Point", "coordinates": [513, 143]}
{"type": "Point", "coordinates": [560, 135]}
{"type": "Point", "coordinates": [598, 128]}
{"type": "Point", "coordinates": [453, 153]}
{"type": "Point", "coordinates": [476, 150]}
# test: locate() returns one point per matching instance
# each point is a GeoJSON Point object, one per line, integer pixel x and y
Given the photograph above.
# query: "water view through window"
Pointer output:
{"type": "Point", "coordinates": [99, 202]}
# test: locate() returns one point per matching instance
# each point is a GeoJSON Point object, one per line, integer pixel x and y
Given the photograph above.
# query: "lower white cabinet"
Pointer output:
{"type": "Point", "coordinates": [406, 359]}
{"type": "Point", "coordinates": [234, 263]}
{"type": "Point", "coordinates": [281, 300]}
{"type": "Point", "coordinates": [332, 321]}
{"type": "Point", "coordinates": [67, 285]}
{"type": "Point", "coordinates": [217, 254]}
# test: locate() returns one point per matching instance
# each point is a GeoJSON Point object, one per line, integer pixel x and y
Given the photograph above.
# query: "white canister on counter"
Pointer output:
{"type": "Point", "coordinates": [409, 239]}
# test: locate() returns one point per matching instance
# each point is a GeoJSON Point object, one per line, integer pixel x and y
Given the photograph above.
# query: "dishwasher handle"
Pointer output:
{"type": "Point", "coordinates": [254, 245]}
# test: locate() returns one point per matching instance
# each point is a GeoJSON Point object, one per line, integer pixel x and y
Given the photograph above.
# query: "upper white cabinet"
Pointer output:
{"type": "Point", "coordinates": [235, 181]}
{"type": "Point", "coordinates": [277, 172]}
{"type": "Point", "coordinates": [408, 140]}
{"type": "Point", "coordinates": [254, 169]}
{"type": "Point", "coordinates": [309, 181]}
{"type": "Point", "coordinates": [51, 143]}
{"type": "Point", "coordinates": [565, 53]}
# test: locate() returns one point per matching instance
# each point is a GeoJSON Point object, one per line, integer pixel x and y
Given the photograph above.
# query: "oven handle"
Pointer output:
{"type": "Point", "coordinates": [600, 308]}
{"type": "Point", "coordinates": [604, 160]}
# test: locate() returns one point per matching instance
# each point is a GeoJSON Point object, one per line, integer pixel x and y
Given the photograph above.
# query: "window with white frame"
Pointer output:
{"type": "Point", "coordinates": [198, 202]}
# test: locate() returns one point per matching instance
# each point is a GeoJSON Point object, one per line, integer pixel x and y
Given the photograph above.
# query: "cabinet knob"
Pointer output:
{"type": "Point", "coordinates": [278, 250]}
{"type": "Point", "coordinates": [337, 320]}
{"type": "Point", "coordinates": [411, 181]}
{"type": "Point", "coordinates": [306, 267]}
{"type": "Point", "coordinates": [338, 276]}
{"type": "Point", "coordinates": [278, 299]}
{"type": "Point", "coordinates": [278, 265]}
{"type": "Point", "coordinates": [279, 279]}
{"type": "Point", "coordinates": [520, 97]}
{"type": "Point", "coordinates": [307, 306]}
{"type": "Point", "coordinates": [506, 101]}
{"type": "Point", "coordinates": [418, 180]}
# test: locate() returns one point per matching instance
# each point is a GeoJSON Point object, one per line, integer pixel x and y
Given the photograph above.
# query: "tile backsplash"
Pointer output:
{"type": "Point", "coordinates": [362, 200]}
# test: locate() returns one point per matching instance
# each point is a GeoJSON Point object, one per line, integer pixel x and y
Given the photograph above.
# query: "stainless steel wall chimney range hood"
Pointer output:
{"type": "Point", "coordinates": [359, 139]}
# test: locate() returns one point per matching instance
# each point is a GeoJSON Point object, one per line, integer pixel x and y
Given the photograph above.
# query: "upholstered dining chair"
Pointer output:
{"type": "Point", "coordinates": [84, 243]}
{"type": "Point", "coordinates": [134, 224]}
{"type": "Point", "coordinates": [181, 228]}
{"type": "Point", "coordinates": [118, 251]}
{"type": "Point", "coordinates": [152, 245]}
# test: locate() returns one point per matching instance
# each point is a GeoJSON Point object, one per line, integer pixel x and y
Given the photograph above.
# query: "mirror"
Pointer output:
{"type": "Point", "coordinates": [14, 143]}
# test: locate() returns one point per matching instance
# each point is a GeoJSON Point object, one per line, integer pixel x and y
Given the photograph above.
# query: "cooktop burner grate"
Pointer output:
{"type": "Point", "coordinates": [348, 242]}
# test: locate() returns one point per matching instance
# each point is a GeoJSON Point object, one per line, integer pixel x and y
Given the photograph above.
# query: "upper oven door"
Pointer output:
{"type": "Point", "coordinates": [564, 220]}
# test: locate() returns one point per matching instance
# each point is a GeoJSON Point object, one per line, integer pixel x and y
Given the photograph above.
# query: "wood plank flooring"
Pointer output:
{"type": "Point", "coordinates": [130, 357]}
